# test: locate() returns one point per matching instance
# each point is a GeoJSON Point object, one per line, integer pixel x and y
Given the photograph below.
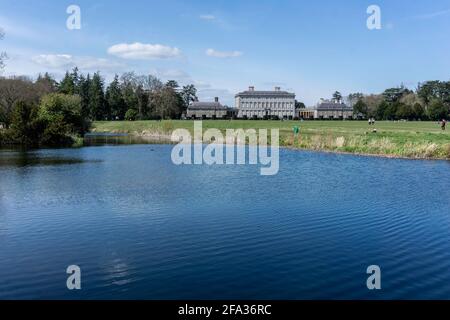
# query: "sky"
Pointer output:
{"type": "Point", "coordinates": [312, 48]}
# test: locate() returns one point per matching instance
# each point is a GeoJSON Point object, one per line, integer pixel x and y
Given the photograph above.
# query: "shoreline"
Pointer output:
{"type": "Point", "coordinates": [372, 155]}
{"type": "Point", "coordinates": [165, 138]}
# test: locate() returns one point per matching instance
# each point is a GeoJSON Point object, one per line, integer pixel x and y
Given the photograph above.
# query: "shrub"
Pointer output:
{"type": "Point", "coordinates": [131, 115]}
{"type": "Point", "coordinates": [55, 122]}
{"type": "Point", "coordinates": [56, 134]}
{"type": "Point", "coordinates": [26, 128]}
{"type": "Point", "coordinates": [447, 151]}
{"type": "Point", "coordinates": [65, 109]}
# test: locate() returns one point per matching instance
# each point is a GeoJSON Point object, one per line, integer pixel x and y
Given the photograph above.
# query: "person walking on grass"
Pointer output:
{"type": "Point", "coordinates": [443, 124]}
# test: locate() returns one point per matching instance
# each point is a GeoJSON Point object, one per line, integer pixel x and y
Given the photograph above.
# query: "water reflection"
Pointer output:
{"type": "Point", "coordinates": [24, 158]}
{"type": "Point", "coordinates": [101, 139]}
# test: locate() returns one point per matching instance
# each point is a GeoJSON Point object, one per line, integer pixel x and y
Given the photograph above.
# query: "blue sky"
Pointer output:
{"type": "Point", "coordinates": [310, 47]}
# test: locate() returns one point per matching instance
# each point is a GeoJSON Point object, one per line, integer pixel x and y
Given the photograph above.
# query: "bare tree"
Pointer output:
{"type": "Point", "coordinates": [153, 84]}
{"type": "Point", "coordinates": [166, 103]}
{"type": "Point", "coordinates": [372, 102]}
{"type": "Point", "coordinates": [13, 90]}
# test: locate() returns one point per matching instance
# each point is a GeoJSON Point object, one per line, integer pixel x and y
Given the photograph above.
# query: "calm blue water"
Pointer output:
{"type": "Point", "coordinates": [140, 227]}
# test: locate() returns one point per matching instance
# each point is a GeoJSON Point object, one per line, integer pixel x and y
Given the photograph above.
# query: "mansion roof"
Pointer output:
{"type": "Point", "coordinates": [207, 106]}
{"type": "Point", "coordinates": [265, 94]}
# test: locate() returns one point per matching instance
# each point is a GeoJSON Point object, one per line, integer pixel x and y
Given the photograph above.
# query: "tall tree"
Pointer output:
{"type": "Point", "coordinates": [46, 84]}
{"type": "Point", "coordinates": [167, 104]}
{"type": "Point", "coordinates": [13, 90]}
{"type": "Point", "coordinates": [437, 110]}
{"type": "Point", "coordinates": [115, 100]}
{"type": "Point", "coordinates": [75, 74]}
{"type": "Point", "coordinates": [84, 85]}
{"type": "Point", "coordinates": [172, 84]}
{"type": "Point", "coordinates": [429, 90]}
{"type": "Point", "coordinates": [372, 101]}
{"type": "Point", "coordinates": [337, 96]}
{"type": "Point", "coordinates": [129, 84]}
{"type": "Point", "coordinates": [97, 104]}
{"type": "Point", "coordinates": [360, 109]}
{"type": "Point", "coordinates": [142, 98]}
{"type": "Point", "coordinates": [392, 95]}
{"type": "Point", "coordinates": [188, 94]}
{"type": "Point", "coordinates": [67, 85]}
{"type": "Point", "coordinates": [353, 98]}
{"type": "Point", "coordinates": [152, 84]}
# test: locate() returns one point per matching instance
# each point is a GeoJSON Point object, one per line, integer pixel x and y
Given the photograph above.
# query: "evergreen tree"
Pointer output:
{"type": "Point", "coordinates": [84, 85]}
{"type": "Point", "coordinates": [45, 84]}
{"type": "Point", "coordinates": [115, 100]}
{"type": "Point", "coordinates": [129, 97]}
{"type": "Point", "coordinates": [76, 80]}
{"type": "Point", "coordinates": [97, 106]}
{"type": "Point", "coordinates": [142, 99]}
{"type": "Point", "coordinates": [67, 85]}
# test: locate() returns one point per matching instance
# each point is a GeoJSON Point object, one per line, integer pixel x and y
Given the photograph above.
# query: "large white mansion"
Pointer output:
{"type": "Point", "coordinates": [265, 104]}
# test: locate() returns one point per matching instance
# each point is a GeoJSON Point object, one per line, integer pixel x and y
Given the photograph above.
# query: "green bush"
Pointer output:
{"type": "Point", "coordinates": [26, 127]}
{"type": "Point", "coordinates": [131, 115]}
{"type": "Point", "coordinates": [55, 122]}
{"type": "Point", "coordinates": [64, 109]}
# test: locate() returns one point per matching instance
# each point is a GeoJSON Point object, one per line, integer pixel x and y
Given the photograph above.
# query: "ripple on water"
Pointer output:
{"type": "Point", "coordinates": [142, 228]}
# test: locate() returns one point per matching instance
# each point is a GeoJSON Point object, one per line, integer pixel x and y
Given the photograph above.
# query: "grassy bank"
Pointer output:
{"type": "Point", "coordinates": [424, 140]}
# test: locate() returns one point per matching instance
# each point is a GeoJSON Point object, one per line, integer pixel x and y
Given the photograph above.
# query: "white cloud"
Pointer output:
{"type": "Point", "coordinates": [54, 60]}
{"type": "Point", "coordinates": [207, 17]}
{"type": "Point", "coordinates": [223, 54]}
{"type": "Point", "coordinates": [67, 61]}
{"type": "Point", "coordinates": [138, 51]}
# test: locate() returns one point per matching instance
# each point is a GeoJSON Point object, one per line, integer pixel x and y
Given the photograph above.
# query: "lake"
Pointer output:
{"type": "Point", "coordinates": [140, 227]}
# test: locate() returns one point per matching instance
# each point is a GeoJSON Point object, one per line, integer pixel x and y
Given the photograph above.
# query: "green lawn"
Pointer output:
{"type": "Point", "coordinates": [403, 139]}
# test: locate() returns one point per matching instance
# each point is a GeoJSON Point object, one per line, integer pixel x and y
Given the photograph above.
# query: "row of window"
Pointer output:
{"type": "Point", "coordinates": [282, 105]}
{"type": "Point", "coordinates": [265, 99]}
{"type": "Point", "coordinates": [249, 113]}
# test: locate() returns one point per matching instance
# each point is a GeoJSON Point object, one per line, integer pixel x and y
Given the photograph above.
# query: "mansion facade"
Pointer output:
{"type": "Point", "coordinates": [327, 110]}
{"type": "Point", "coordinates": [252, 104]}
{"type": "Point", "coordinates": [209, 110]}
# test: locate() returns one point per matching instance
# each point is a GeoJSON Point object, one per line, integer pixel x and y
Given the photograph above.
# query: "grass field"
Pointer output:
{"type": "Point", "coordinates": [396, 139]}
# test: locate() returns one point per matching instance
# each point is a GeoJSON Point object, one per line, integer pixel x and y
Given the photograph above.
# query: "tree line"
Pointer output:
{"type": "Point", "coordinates": [128, 97]}
{"type": "Point", "coordinates": [47, 112]}
{"type": "Point", "coordinates": [430, 101]}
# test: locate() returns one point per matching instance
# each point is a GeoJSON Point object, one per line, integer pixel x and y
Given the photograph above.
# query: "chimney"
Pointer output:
{"type": "Point", "coordinates": [216, 99]}
{"type": "Point", "coordinates": [251, 88]}
{"type": "Point", "coordinates": [277, 88]}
